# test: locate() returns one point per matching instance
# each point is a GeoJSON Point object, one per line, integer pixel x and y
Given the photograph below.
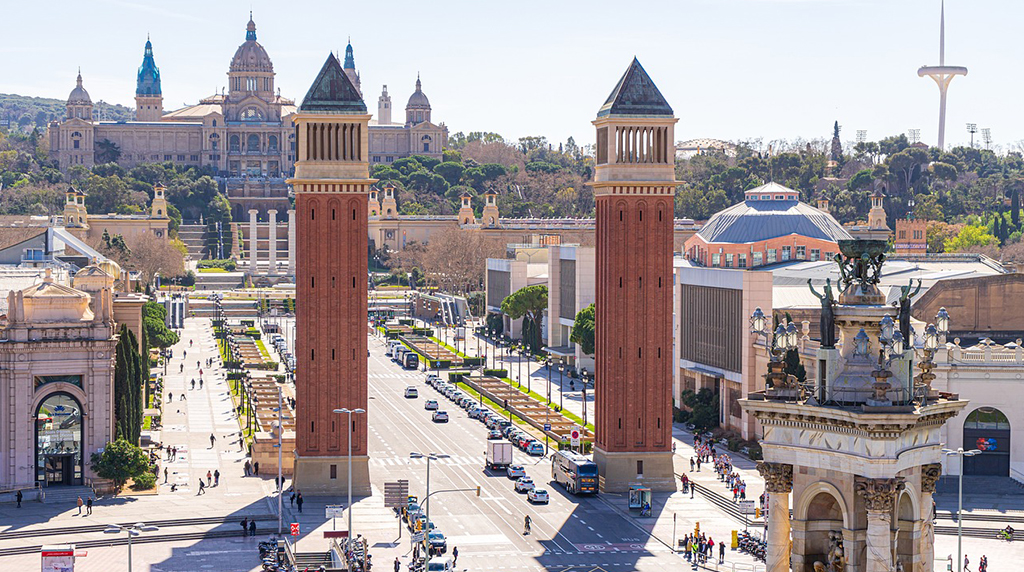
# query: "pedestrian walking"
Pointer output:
{"type": "Point", "coordinates": [193, 383]}
{"type": "Point", "coordinates": [213, 440]}
{"type": "Point", "coordinates": [18, 497]}
{"type": "Point", "coordinates": [455, 555]}
{"type": "Point", "coordinates": [526, 525]}
{"type": "Point", "coordinates": [721, 552]}
{"type": "Point", "coordinates": [252, 527]}
{"type": "Point", "coordinates": [691, 464]}
{"type": "Point", "coordinates": [200, 380]}
{"type": "Point", "coordinates": [165, 475]}
{"type": "Point", "coordinates": [247, 468]}
{"type": "Point", "coordinates": [245, 526]}
{"type": "Point", "coordinates": [298, 501]}
{"type": "Point", "coordinates": [183, 396]}
{"type": "Point", "coordinates": [209, 479]}
{"type": "Point", "coordinates": [256, 468]}
{"type": "Point", "coordinates": [966, 560]}
{"type": "Point", "coordinates": [88, 505]}
{"type": "Point", "coordinates": [398, 564]}
{"type": "Point", "coordinates": [216, 477]}
{"type": "Point", "coordinates": [170, 397]}
{"type": "Point", "coordinates": [80, 505]}
{"type": "Point", "coordinates": [292, 499]}
{"type": "Point", "coordinates": [202, 488]}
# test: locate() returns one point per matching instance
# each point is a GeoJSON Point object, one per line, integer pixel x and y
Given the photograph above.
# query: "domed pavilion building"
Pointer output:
{"type": "Point", "coordinates": [771, 225]}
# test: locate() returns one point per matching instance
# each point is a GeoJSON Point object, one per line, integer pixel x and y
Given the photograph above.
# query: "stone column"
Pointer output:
{"type": "Point", "coordinates": [273, 241]}
{"type": "Point", "coordinates": [929, 476]}
{"type": "Point", "coordinates": [778, 482]}
{"type": "Point", "coordinates": [291, 242]}
{"type": "Point", "coordinates": [879, 499]}
{"type": "Point", "coordinates": [254, 253]}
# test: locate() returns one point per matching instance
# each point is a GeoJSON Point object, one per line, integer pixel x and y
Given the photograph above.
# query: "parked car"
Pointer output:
{"type": "Point", "coordinates": [537, 496]}
{"type": "Point", "coordinates": [515, 471]}
{"type": "Point", "coordinates": [412, 392]}
{"type": "Point", "coordinates": [430, 405]}
{"type": "Point", "coordinates": [524, 484]}
{"type": "Point", "coordinates": [535, 449]}
{"type": "Point", "coordinates": [439, 417]}
{"type": "Point", "coordinates": [494, 434]}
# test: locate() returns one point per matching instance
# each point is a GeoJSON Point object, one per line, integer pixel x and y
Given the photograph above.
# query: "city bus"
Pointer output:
{"type": "Point", "coordinates": [577, 473]}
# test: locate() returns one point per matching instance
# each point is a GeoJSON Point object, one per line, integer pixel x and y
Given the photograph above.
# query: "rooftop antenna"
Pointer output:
{"type": "Point", "coordinates": [942, 75]}
{"type": "Point", "coordinates": [914, 135]}
{"type": "Point", "coordinates": [972, 128]}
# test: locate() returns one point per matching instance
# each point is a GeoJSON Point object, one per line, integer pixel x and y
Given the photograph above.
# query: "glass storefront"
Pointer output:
{"type": "Point", "coordinates": [59, 441]}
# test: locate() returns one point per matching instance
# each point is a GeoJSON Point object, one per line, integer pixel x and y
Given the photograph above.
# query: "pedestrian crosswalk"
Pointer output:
{"type": "Point", "coordinates": [392, 375]}
{"type": "Point", "coordinates": [407, 461]}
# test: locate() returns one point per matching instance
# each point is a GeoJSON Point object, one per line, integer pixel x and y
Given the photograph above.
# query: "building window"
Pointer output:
{"type": "Point", "coordinates": [728, 260]}
{"type": "Point", "coordinates": [193, 158]}
{"type": "Point", "coordinates": [771, 255]}
{"type": "Point", "coordinates": [167, 157]}
{"type": "Point", "coordinates": [903, 234]}
{"type": "Point", "coordinates": [743, 261]}
{"type": "Point", "coordinates": [716, 260]}
{"type": "Point", "coordinates": [252, 143]}
{"type": "Point", "coordinates": [376, 158]}
{"type": "Point", "coordinates": [918, 235]}
{"type": "Point", "coordinates": [801, 252]}
{"type": "Point", "coordinates": [786, 251]}
{"type": "Point", "coordinates": [32, 254]}
{"type": "Point", "coordinates": [766, 197]}
{"type": "Point", "coordinates": [389, 159]}
{"type": "Point", "coordinates": [181, 157]}
{"type": "Point", "coordinates": [251, 114]}
{"type": "Point", "coordinates": [76, 142]}
{"type": "Point", "coordinates": [815, 254]}
{"type": "Point", "coordinates": [757, 259]}
{"type": "Point", "coordinates": [250, 84]}
{"type": "Point", "coordinates": [272, 144]}
{"type": "Point", "coordinates": [780, 197]}
{"type": "Point", "coordinates": [155, 157]}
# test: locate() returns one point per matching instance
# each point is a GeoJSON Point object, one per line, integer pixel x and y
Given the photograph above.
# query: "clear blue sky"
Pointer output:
{"type": "Point", "coordinates": [731, 69]}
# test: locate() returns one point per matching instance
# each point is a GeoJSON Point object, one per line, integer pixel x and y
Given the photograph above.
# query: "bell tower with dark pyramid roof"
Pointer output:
{"type": "Point", "coordinates": [634, 186]}
{"type": "Point", "coordinates": [332, 187]}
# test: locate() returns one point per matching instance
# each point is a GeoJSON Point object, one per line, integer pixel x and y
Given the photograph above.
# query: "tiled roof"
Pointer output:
{"type": "Point", "coordinates": [635, 94]}
{"type": "Point", "coordinates": [333, 92]}
{"type": "Point", "coordinates": [758, 220]}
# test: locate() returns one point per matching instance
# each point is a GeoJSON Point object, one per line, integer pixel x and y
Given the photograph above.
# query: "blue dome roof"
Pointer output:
{"type": "Point", "coordinates": [765, 219]}
{"type": "Point", "coordinates": [148, 82]}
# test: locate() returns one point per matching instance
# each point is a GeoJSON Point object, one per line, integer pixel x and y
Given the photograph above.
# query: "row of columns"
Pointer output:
{"type": "Point", "coordinates": [879, 497]}
{"type": "Point", "coordinates": [272, 246]}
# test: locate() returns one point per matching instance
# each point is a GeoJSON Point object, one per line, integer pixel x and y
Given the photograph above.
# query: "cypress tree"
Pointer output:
{"type": "Point", "coordinates": [121, 401]}
{"type": "Point", "coordinates": [1015, 209]}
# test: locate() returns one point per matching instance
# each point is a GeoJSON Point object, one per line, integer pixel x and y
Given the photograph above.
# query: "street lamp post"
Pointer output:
{"type": "Point", "coordinates": [529, 378]}
{"type": "Point", "coordinates": [350, 412]}
{"type": "Point", "coordinates": [280, 475]}
{"type": "Point", "coordinates": [547, 366]}
{"type": "Point", "coordinates": [136, 530]}
{"type": "Point", "coordinates": [583, 380]}
{"type": "Point", "coordinates": [561, 388]}
{"type": "Point", "coordinates": [426, 527]}
{"type": "Point", "coordinates": [960, 501]}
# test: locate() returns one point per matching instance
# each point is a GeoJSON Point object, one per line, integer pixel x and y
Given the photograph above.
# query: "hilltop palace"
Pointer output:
{"type": "Point", "coordinates": [245, 134]}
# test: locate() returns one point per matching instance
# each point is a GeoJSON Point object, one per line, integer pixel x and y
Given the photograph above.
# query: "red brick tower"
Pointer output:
{"type": "Point", "coordinates": [634, 186]}
{"type": "Point", "coordinates": [332, 187]}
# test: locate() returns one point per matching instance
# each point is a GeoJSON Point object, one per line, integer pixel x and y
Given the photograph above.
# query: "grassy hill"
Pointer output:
{"type": "Point", "coordinates": [24, 113]}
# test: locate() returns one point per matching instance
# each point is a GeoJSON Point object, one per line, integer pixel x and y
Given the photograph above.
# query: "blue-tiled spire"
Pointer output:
{"type": "Point", "coordinates": [149, 75]}
{"type": "Point", "coordinates": [350, 59]}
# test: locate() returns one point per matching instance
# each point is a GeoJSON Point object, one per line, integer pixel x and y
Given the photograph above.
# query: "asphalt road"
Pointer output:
{"type": "Point", "coordinates": [568, 532]}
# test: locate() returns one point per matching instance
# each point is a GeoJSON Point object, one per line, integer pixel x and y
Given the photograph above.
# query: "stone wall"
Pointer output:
{"type": "Point", "coordinates": [982, 304]}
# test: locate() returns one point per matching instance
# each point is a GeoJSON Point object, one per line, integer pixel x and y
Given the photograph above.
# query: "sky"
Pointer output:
{"type": "Point", "coordinates": [731, 69]}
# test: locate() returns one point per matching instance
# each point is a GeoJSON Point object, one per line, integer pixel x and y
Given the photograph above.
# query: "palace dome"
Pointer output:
{"type": "Point", "coordinates": [79, 95]}
{"type": "Point", "coordinates": [251, 56]}
{"type": "Point", "coordinates": [418, 99]}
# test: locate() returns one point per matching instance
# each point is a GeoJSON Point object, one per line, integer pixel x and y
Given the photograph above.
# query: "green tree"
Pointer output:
{"type": "Point", "coordinates": [970, 235]}
{"type": "Point", "coordinates": [451, 171]}
{"type": "Point", "coordinates": [128, 394]}
{"type": "Point", "coordinates": [106, 152]}
{"type": "Point", "coordinates": [120, 461]}
{"type": "Point", "coordinates": [703, 407]}
{"type": "Point", "coordinates": [583, 329]}
{"type": "Point", "coordinates": [154, 316]}
{"type": "Point", "coordinates": [794, 367]}
{"type": "Point", "coordinates": [528, 302]}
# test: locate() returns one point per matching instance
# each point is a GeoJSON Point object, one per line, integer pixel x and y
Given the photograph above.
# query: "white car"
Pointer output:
{"type": "Point", "coordinates": [430, 405]}
{"type": "Point", "coordinates": [536, 496]}
{"type": "Point", "coordinates": [412, 392]}
{"type": "Point", "coordinates": [440, 417]}
{"type": "Point", "coordinates": [515, 471]}
{"type": "Point", "coordinates": [524, 485]}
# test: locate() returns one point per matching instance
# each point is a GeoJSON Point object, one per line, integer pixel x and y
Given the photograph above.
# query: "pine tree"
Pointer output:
{"type": "Point", "coordinates": [128, 404]}
{"type": "Point", "coordinates": [121, 402]}
{"type": "Point", "coordinates": [995, 228]}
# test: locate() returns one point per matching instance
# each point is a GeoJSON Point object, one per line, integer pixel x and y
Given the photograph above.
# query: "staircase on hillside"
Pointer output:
{"type": "Point", "coordinates": [66, 495]}
{"type": "Point", "coordinates": [194, 237]}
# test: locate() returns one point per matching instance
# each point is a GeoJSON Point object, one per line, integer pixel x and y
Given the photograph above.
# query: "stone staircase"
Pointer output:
{"type": "Point", "coordinates": [313, 561]}
{"type": "Point", "coordinates": [66, 495]}
{"type": "Point", "coordinates": [194, 237]}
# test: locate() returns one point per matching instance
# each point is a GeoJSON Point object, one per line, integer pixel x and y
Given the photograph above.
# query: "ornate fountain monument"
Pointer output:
{"type": "Point", "coordinates": [858, 449]}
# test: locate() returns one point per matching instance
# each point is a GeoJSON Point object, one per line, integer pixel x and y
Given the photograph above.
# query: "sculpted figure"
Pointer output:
{"type": "Point", "coordinates": [827, 321]}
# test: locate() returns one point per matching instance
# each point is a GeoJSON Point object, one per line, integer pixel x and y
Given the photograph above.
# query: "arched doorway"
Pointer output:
{"type": "Point", "coordinates": [988, 430]}
{"type": "Point", "coordinates": [59, 441]}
